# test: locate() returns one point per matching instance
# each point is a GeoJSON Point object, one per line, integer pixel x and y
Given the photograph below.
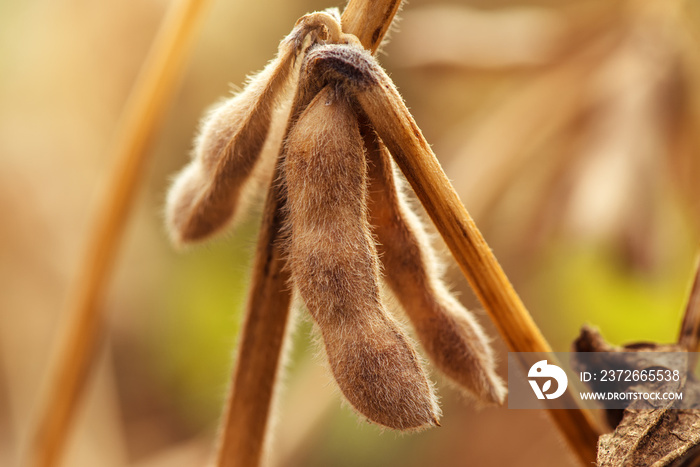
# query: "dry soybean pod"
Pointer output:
{"type": "Point", "coordinates": [450, 335]}
{"type": "Point", "coordinates": [334, 264]}
{"type": "Point", "coordinates": [207, 193]}
{"type": "Point", "coordinates": [379, 99]}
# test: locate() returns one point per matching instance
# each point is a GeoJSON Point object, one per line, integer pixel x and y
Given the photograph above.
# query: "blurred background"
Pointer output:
{"type": "Point", "coordinates": [569, 129]}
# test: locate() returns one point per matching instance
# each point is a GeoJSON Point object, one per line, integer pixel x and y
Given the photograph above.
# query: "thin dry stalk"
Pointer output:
{"type": "Point", "coordinates": [242, 436]}
{"type": "Point", "coordinates": [413, 155]}
{"type": "Point", "coordinates": [689, 336]}
{"type": "Point", "coordinates": [79, 340]}
{"type": "Point", "coordinates": [394, 124]}
{"type": "Point", "coordinates": [369, 20]}
{"type": "Point", "coordinates": [397, 129]}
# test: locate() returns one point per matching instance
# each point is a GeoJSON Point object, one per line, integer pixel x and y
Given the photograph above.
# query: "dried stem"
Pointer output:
{"type": "Point", "coordinates": [78, 342]}
{"type": "Point", "coordinates": [689, 336]}
{"type": "Point", "coordinates": [242, 436]}
{"type": "Point", "coordinates": [369, 20]}
{"type": "Point", "coordinates": [413, 155]}
{"type": "Point", "coordinates": [416, 160]}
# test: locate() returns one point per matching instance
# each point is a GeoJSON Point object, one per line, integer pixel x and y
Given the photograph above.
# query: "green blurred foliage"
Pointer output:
{"type": "Point", "coordinates": [589, 284]}
{"type": "Point", "coordinates": [197, 339]}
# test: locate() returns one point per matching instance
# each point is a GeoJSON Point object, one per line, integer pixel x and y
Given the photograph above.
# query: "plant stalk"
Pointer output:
{"type": "Point", "coordinates": [369, 20]}
{"type": "Point", "coordinates": [689, 336]}
{"type": "Point", "coordinates": [244, 428]}
{"type": "Point", "coordinates": [242, 437]}
{"type": "Point", "coordinates": [397, 129]}
{"type": "Point", "coordinates": [78, 342]}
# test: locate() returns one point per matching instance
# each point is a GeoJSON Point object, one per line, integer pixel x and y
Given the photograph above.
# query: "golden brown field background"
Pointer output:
{"type": "Point", "coordinates": [571, 130]}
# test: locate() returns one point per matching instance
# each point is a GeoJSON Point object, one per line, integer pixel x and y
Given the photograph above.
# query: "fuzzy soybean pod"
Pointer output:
{"type": "Point", "coordinates": [450, 335]}
{"type": "Point", "coordinates": [208, 193]}
{"type": "Point", "coordinates": [334, 265]}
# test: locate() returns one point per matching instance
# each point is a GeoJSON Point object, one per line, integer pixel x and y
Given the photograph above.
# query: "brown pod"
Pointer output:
{"type": "Point", "coordinates": [450, 335]}
{"type": "Point", "coordinates": [334, 264]}
{"type": "Point", "coordinates": [208, 192]}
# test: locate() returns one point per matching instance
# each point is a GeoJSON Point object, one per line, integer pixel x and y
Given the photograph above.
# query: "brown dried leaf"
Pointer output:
{"type": "Point", "coordinates": [647, 433]}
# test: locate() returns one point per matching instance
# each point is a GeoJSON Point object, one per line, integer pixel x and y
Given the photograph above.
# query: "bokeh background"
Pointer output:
{"type": "Point", "coordinates": [569, 128]}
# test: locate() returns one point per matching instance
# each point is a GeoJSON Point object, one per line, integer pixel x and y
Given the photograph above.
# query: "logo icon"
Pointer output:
{"type": "Point", "coordinates": [543, 370]}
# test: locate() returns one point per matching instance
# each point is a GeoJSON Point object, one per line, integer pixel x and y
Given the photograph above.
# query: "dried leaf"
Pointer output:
{"type": "Point", "coordinates": [648, 432]}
